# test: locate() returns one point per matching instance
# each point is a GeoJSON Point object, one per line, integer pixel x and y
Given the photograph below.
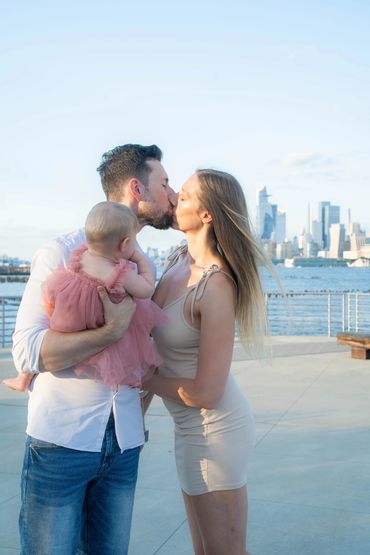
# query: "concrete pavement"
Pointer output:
{"type": "Point", "coordinates": [309, 477]}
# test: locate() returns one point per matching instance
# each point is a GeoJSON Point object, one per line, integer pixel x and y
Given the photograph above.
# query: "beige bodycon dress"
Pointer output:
{"type": "Point", "coordinates": [212, 446]}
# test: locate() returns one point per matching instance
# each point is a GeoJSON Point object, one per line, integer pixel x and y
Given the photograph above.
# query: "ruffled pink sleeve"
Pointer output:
{"type": "Point", "coordinates": [116, 287]}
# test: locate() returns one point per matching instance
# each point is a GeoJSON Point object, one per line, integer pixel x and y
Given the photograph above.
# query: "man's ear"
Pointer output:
{"type": "Point", "coordinates": [206, 217]}
{"type": "Point", "coordinates": [135, 189]}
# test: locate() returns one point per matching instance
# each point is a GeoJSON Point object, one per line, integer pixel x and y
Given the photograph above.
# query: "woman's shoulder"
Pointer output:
{"type": "Point", "coordinates": [219, 278]}
{"type": "Point", "coordinates": [217, 283]}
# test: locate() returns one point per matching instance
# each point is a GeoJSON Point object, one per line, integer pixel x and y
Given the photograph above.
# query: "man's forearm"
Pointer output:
{"type": "Point", "coordinates": [62, 350]}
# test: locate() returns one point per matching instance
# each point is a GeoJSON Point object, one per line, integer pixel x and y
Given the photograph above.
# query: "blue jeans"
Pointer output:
{"type": "Point", "coordinates": [77, 502]}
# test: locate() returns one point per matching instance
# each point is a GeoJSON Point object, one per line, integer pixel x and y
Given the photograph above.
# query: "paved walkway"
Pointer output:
{"type": "Point", "coordinates": [309, 478]}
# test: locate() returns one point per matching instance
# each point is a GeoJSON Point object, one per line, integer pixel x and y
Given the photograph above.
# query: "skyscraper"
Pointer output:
{"type": "Point", "coordinates": [271, 222]}
{"type": "Point", "coordinates": [337, 237]}
{"type": "Point", "coordinates": [265, 221]}
{"type": "Point", "coordinates": [328, 215]}
{"type": "Point", "coordinates": [280, 227]}
{"type": "Point", "coordinates": [316, 232]}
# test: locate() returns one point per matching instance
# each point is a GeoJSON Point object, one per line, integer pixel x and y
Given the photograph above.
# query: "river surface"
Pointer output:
{"type": "Point", "coordinates": [292, 279]}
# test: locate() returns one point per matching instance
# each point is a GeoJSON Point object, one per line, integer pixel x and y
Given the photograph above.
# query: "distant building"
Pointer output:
{"type": "Point", "coordinates": [152, 252]}
{"type": "Point", "coordinates": [310, 249]}
{"type": "Point", "coordinates": [357, 237]}
{"type": "Point", "coordinates": [328, 215]}
{"type": "Point", "coordinates": [357, 240]}
{"type": "Point", "coordinates": [270, 248]}
{"type": "Point", "coordinates": [302, 240]}
{"type": "Point", "coordinates": [280, 227]}
{"type": "Point", "coordinates": [350, 255]}
{"type": "Point", "coordinates": [265, 216]}
{"type": "Point", "coordinates": [270, 222]}
{"type": "Point", "coordinates": [295, 246]}
{"type": "Point", "coordinates": [9, 265]}
{"type": "Point", "coordinates": [337, 237]}
{"type": "Point", "coordinates": [284, 250]}
{"type": "Point", "coordinates": [365, 249]}
{"type": "Point", "coordinates": [316, 232]}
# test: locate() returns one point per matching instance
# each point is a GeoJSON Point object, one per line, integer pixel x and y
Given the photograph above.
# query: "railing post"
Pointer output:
{"type": "Point", "coordinates": [349, 312]}
{"type": "Point", "coordinates": [329, 314]}
{"type": "Point", "coordinates": [356, 312]}
{"type": "Point", "coordinates": [343, 311]}
{"type": "Point", "coordinates": [3, 322]}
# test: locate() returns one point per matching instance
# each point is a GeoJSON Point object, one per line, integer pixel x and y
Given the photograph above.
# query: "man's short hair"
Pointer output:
{"type": "Point", "coordinates": [123, 163]}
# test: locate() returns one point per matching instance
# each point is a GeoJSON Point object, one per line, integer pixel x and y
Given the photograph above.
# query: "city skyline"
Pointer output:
{"type": "Point", "coordinates": [307, 227]}
{"type": "Point", "coordinates": [324, 236]}
{"type": "Point", "coordinates": [275, 93]}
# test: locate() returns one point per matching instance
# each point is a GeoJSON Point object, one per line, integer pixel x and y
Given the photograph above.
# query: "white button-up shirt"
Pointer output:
{"type": "Point", "coordinates": [66, 409]}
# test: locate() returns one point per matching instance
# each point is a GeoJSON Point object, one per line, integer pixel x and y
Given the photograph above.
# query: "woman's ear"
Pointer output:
{"type": "Point", "coordinates": [135, 189]}
{"type": "Point", "coordinates": [206, 217]}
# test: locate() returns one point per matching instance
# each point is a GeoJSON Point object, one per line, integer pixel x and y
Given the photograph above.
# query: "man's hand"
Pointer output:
{"type": "Point", "coordinates": [117, 316]}
{"type": "Point", "coordinates": [62, 350]}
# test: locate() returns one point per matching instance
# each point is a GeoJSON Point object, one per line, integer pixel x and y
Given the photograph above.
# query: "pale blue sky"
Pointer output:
{"type": "Point", "coordinates": [275, 92]}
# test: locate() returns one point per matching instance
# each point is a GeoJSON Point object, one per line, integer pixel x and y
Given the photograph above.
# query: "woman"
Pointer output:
{"type": "Point", "coordinates": [208, 285]}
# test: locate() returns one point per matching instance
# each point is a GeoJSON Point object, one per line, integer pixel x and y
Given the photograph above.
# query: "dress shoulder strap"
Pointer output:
{"type": "Point", "coordinates": [174, 256]}
{"type": "Point", "coordinates": [202, 283]}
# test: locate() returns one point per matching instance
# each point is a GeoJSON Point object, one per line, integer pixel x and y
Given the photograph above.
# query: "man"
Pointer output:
{"type": "Point", "coordinates": [84, 437]}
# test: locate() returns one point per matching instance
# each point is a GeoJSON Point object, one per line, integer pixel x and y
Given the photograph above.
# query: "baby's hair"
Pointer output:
{"type": "Point", "coordinates": [108, 223]}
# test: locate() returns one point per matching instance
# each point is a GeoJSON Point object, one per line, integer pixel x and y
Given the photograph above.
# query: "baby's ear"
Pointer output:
{"type": "Point", "coordinates": [123, 243]}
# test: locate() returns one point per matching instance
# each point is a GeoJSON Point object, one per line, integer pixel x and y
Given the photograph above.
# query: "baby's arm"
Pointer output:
{"type": "Point", "coordinates": [140, 284]}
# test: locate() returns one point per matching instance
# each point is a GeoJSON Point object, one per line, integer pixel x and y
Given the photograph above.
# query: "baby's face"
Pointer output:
{"type": "Point", "coordinates": [130, 246]}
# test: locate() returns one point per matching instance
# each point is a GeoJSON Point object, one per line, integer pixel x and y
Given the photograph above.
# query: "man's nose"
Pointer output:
{"type": "Point", "coordinates": [172, 197]}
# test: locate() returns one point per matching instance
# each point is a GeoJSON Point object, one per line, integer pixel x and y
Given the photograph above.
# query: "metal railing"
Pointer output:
{"type": "Point", "coordinates": [8, 313]}
{"type": "Point", "coordinates": [293, 313]}
{"type": "Point", "coordinates": [318, 313]}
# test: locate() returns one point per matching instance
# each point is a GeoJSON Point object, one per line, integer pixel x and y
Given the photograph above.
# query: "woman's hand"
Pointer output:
{"type": "Point", "coordinates": [186, 399]}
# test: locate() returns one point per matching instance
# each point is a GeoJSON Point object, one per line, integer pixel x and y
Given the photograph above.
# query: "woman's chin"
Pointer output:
{"type": "Point", "coordinates": [176, 225]}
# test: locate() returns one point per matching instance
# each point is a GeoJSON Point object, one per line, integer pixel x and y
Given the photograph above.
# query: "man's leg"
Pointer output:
{"type": "Point", "coordinates": [54, 481]}
{"type": "Point", "coordinates": [109, 500]}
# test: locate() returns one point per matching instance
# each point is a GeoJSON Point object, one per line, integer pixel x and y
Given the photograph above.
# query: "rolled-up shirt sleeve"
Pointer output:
{"type": "Point", "coordinates": [32, 321]}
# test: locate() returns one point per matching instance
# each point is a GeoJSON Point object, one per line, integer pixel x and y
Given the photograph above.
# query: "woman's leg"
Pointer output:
{"type": "Point", "coordinates": [220, 519]}
{"type": "Point", "coordinates": [193, 525]}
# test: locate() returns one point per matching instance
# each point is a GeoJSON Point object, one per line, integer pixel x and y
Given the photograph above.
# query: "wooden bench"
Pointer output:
{"type": "Point", "coordinates": [360, 344]}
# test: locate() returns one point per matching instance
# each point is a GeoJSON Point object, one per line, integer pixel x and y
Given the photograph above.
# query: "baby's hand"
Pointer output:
{"type": "Point", "coordinates": [136, 256]}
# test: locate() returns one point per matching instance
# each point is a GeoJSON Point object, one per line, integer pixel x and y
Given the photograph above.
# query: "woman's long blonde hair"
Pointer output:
{"type": "Point", "coordinates": [222, 196]}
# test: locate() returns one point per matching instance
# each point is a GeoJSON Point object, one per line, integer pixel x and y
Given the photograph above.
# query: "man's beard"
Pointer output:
{"type": "Point", "coordinates": [156, 220]}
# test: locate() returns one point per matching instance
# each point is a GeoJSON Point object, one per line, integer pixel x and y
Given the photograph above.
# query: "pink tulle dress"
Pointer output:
{"type": "Point", "coordinates": [73, 304]}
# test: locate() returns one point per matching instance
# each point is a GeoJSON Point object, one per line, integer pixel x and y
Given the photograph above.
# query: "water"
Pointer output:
{"type": "Point", "coordinates": [12, 288]}
{"type": "Point", "coordinates": [292, 279]}
{"type": "Point", "coordinates": [320, 279]}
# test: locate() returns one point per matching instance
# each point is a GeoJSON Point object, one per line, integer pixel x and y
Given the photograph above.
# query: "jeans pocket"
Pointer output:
{"type": "Point", "coordinates": [34, 443]}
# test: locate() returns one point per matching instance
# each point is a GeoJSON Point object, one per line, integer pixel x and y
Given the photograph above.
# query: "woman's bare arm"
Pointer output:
{"type": "Point", "coordinates": [215, 351]}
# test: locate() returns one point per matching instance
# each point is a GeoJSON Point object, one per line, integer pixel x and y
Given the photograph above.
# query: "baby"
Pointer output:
{"type": "Point", "coordinates": [110, 259]}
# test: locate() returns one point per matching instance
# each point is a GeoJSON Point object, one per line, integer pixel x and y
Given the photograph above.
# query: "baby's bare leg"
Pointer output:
{"type": "Point", "coordinates": [20, 383]}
